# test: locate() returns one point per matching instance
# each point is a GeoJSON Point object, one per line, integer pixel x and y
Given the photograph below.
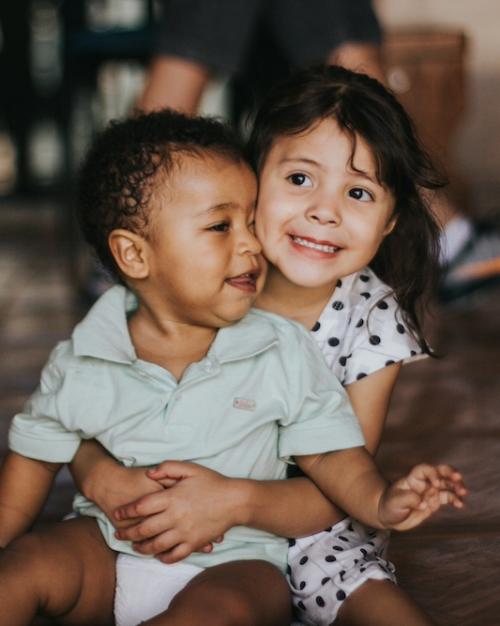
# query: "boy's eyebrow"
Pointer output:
{"type": "Point", "coordinates": [223, 206]}
{"type": "Point", "coordinates": [217, 207]}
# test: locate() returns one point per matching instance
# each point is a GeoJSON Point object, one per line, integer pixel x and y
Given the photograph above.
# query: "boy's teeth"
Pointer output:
{"type": "Point", "coordinates": [314, 246]}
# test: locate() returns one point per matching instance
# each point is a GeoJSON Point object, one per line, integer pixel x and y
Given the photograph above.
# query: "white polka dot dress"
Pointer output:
{"type": "Point", "coordinates": [359, 332]}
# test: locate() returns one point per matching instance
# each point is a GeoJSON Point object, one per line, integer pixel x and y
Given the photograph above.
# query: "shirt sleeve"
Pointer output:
{"type": "Point", "coordinates": [37, 431]}
{"type": "Point", "coordinates": [382, 339]}
{"type": "Point", "coordinates": [320, 416]}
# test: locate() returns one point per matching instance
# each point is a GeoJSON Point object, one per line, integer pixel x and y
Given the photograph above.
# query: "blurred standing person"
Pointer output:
{"type": "Point", "coordinates": [255, 43]}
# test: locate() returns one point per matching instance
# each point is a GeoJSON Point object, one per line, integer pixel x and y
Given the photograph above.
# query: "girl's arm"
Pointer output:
{"type": "Point", "coordinates": [24, 487]}
{"type": "Point", "coordinates": [370, 399]}
{"type": "Point", "coordinates": [351, 479]}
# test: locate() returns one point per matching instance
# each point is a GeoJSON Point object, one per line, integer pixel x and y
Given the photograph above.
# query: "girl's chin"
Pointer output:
{"type": "Point", "coordinates": [311, 280]}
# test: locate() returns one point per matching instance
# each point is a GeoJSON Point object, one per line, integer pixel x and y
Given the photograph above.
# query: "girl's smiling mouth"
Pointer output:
{"type": "Point", "coordinates": [325, 247]}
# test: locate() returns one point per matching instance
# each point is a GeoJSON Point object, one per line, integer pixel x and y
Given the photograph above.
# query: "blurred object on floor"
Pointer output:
{"type": "Point", "coordinates": [474, 269]}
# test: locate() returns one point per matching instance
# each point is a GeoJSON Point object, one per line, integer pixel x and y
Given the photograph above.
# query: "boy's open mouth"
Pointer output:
{"type": "Point", "coordinates": [245, 282]}
{"type": "Point", "coordinates": [312, 244]}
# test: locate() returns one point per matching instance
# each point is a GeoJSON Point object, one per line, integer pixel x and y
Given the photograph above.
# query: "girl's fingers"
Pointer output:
{"type": "Point", "coordinates": [164, 542]}
{"type": "Point", "coordinates": [143, 507]}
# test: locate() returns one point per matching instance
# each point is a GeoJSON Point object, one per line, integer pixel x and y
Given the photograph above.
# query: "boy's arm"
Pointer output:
{"type": "Point", "coordinates": [24, 487]}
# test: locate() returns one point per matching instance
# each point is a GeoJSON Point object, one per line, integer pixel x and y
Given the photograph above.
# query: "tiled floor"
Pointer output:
{"type": "Point", "coordinates": [443, 410]}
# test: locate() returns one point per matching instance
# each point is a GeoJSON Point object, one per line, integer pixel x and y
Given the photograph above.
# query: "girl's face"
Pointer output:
{"type": "Point", "coordinates": [318, 218]}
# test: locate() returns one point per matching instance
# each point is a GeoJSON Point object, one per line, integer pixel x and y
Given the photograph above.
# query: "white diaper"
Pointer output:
{"type": "Point", "coordinates": [145, 587]}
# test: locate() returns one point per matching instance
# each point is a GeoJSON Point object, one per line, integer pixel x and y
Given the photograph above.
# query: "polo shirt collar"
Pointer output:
{"type": "Point", "coordinates": [103, 333]}
{"type": "Point", "coordinates": [250, 336]}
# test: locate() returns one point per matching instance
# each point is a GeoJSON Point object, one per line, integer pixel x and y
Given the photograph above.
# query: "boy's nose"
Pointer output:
{"type": "Point", "coordinates": [249, 244]}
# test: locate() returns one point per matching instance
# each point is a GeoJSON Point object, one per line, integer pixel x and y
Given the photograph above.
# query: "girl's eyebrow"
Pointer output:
{"type": "Point", "coordinates": [366, 175]}
{"type": "Point", "coordinates": [301, 159]}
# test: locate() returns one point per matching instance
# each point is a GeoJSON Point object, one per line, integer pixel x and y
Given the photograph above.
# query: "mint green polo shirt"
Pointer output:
{"type": "Point", "coordinates": [260, 396]}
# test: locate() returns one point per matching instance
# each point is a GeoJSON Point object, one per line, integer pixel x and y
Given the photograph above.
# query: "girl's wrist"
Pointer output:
{"type": "Point", "coordinates": [242, 497]}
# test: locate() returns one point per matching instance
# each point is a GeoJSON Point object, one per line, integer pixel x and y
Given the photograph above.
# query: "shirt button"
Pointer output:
{"type": "Point", "coordinates": [209, 366]}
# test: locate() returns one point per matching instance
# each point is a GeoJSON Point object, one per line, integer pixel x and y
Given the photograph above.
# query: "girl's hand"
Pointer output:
{"type": "Point", "coordinates": [171, 524]}
{"type": "Point", "coordinates": [409, 501]}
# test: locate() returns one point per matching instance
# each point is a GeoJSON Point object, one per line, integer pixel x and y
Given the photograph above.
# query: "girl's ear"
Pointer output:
{"type": "Point", "coordinates": [130, 253]}
{"type": "Point", "coordinates": [390, 225]}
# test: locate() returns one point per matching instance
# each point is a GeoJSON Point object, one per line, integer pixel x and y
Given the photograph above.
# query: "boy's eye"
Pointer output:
{"type": "Point", "coordinates": [222, 227]}
{"type": "Point", "coordinates": [300, 180]}
{"type": "Point", "coordinates": [360, 194]}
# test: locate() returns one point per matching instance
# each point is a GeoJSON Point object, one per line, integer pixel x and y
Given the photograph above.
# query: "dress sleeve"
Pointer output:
{"type": "Point", "coordinates": [381, 339]}
{"type": "Point", "coordinates": [320, 418]}
{"type": "Point", "coordinates": [37, 432]}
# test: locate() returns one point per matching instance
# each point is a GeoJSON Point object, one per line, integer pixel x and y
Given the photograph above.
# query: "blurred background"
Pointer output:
{"type": "Point", "coordinates": [66, 68]}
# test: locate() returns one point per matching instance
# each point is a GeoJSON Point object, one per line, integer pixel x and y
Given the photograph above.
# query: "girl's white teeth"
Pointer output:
{"type": "Point", "coordinates": [315, 246]}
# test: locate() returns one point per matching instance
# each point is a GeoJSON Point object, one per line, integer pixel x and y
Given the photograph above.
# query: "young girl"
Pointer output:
{"type": "Point", "coordinates": [352, 248]}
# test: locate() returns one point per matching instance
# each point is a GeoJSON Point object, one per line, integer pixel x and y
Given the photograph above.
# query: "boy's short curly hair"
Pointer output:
{"type": "Point", "coordinates": [128, 161]}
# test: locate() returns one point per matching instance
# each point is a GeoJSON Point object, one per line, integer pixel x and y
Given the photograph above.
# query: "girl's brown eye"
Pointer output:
{"type": "Point", "coordinates": [360, 194]}
{"type": "Point", "coordinates": [300, 180]}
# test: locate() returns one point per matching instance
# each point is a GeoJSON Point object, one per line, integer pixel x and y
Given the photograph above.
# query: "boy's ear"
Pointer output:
{"type": "Point", "coordinates": [390, 225]}
{"type": "Point", "coordinates": [129, 252]}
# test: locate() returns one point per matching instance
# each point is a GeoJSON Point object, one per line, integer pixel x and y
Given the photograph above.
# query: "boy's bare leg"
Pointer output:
{"type": "Point", "coordinates": [381, 603]}
{"type": "Point", "coordinates": [63, 571]}
{"type": "Point", "coordinates": [241, 593]}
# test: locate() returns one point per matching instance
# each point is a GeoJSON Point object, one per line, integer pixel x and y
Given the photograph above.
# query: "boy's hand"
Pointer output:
{"type": "Point", "coordinates": [188, 516]}
{"type": "Point", "coordinates": [119, 486]}
{"type": "Point", "coordinates": [410, 500]}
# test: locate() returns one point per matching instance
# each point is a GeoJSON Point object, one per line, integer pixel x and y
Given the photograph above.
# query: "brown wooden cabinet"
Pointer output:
{"type": "Point", "coordinates": [426, 70]}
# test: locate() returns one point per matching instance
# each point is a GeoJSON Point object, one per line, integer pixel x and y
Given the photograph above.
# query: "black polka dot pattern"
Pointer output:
{"type": "Point", "coordinates": [362, 318]}
{"type": "Point", "coordinates": [319, 597]}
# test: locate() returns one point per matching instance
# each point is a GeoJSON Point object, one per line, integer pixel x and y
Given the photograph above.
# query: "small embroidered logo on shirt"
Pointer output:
{"type": "Point", "coordinates": [244, 403]}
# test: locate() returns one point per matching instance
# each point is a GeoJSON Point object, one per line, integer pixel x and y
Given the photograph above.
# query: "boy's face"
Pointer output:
{"type": "Point", "coordinates": [205, 264]}
{"type": "Point", "coordinates": [318, 218]}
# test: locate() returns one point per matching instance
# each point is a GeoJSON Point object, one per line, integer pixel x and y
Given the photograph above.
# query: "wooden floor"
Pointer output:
{"type": "Point", "coordinates": [443, 410]}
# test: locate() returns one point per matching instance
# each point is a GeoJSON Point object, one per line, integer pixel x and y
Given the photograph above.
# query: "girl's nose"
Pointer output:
{"type": "Point", "coordinates": [324, 212]}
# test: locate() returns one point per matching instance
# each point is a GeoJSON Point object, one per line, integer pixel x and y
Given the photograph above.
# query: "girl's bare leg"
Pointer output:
{"type": "Point", "coordinates": [381, 603]}
{"type": "Point", "coordinates": [63, 571]}
{"type": "Point", "coordinates": [241, 593]}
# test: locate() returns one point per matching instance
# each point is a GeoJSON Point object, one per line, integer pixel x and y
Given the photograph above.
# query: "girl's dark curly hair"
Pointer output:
{"type": "Point", "coordinates": [129, 160]}
{"type": "Point", "coordinates": [407, 260]}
